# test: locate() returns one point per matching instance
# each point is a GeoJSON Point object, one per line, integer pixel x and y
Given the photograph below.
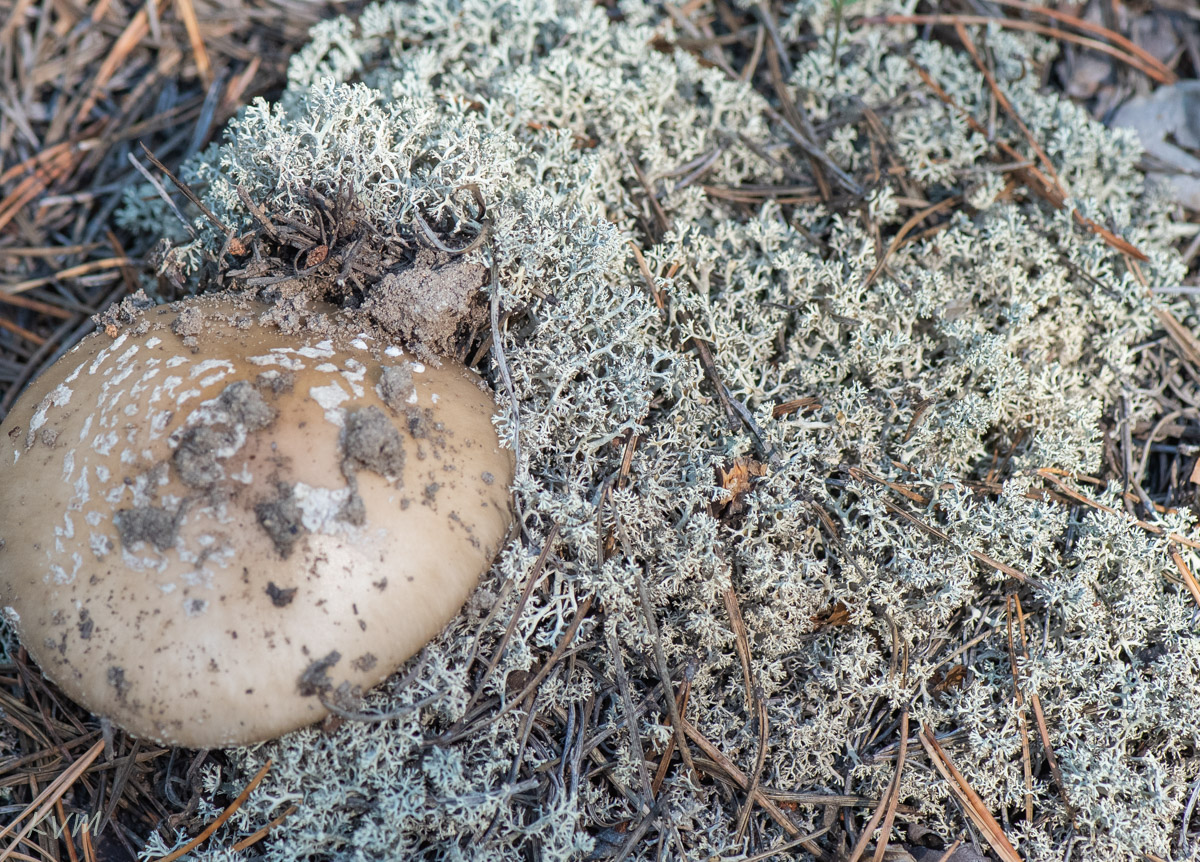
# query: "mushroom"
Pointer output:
{"type": "Point", "coordinates": [213, 531]}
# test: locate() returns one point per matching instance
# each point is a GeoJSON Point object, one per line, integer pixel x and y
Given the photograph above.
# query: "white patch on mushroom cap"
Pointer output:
{"type": "Point", "coordinates": [58, 397]}
{"type": "Point", "coordinates": [330, 397]}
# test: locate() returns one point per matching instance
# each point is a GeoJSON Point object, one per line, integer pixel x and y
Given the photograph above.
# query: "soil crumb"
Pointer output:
{"type": "Point", "coordinates": [276, 382]}
{"type": "Point", "coordinates": [315, 679]}
{"type": "Point", "coordinates": [196, 457]}
{"type": "Point", "coordinates": [396, 388]}
{"type": "Point", "coordinates": [189, 322]}
{"type": "Point", "coordinates": [282, 520]}
{"type": "Point", "coordinates": [240, 409]}
{"type": "Point", "coordinates": [281, 597]}
{"type": "Point", "coordinates": [370, 440]}
{"type": "Point", "coordinates": [152, 524]}
{"type": "Point", "coordinates": [130, 311]}
{"type": "Point", "coordinates": [434, 306]}
{"type": "Point", "coordinates": [246, 406]}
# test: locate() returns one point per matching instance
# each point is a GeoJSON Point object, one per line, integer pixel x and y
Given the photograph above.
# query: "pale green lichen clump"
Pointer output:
{"type": "Point", "coordinates": [1010, 320]}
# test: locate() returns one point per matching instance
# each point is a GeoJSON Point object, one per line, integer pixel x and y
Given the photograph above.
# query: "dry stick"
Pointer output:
{"type": "Point", "coordinates": [1040, 716]}
{"type": "Point", "coordinates": [1022, 721]}
{"type": "Point", "coordinates": [501, 361]}
{"type": "Point", "coordinates": [162, 193]}
{"type": "Point", "coordinates": [798, 120]}
{"type": "Point", "coordinates": [968, 798]}
{"type": "Point", "coordinates": [221, 818]}
{"type": "Point", "coordinates": [559, 651]}
{"type": "Point", "coordinates": [796, 134]}
{"type": "Point", "coordinates": [44, 803]}
{"type": "Point", "coordinates": [535, 577]}
{"type": "Point", "coordinates": [187, 192]}
{"type": "Point", "coordinates": [736, 413]}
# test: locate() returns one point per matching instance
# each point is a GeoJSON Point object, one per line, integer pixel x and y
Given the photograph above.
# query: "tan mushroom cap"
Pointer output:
{"type": "Point", "coordinates": [208, 534]}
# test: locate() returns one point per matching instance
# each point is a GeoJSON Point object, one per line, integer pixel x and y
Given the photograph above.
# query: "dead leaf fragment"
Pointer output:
{"type": "Point", "coordinates": [738, 479]}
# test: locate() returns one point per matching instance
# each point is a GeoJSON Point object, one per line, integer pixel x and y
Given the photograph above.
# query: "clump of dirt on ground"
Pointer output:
{"type": "Point", "coordinates": [434, 306]}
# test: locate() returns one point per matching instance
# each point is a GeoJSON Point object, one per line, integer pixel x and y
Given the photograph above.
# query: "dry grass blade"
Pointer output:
{"type": "Point", "coordinates": [221, 818]}
{"type": "Point", "coordinates": [45, 802]}
{"type": "Point", "coordinates": [968, 798]}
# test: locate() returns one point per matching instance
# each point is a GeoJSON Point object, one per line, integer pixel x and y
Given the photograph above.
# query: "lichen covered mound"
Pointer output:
{"type": "Point", "coordinates": [899, 420]}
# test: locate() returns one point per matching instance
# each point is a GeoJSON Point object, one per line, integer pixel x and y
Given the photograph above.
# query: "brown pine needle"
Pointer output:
{"type": "Point", "coordinates": [1154, 69]}
{"type": "Point", "coordinates": [1185, 574]}
{"type": "Point", "coordinates": [1049, 475]}
{"type": "Point", "coordinates": [67, 839]}
{"type": "Point", "coordinates": [221, 818]}
{"type": "Point", "coordinates": [968, 798]}
{"type": "Point", "coordinates": [70, 272]}
{"type": "Point", "coordinates": [44, 803]}
{"type": "Point", "coordinates": [893, 795]}
{"type": "Point", "coordinates": [1034, 179]}
{"type": "Point", "coordinates": [135, 32]}
{"type": "Point", "coordinates": [260, 834]}
{"type": "Point", "coordinates": [1040, 715]}
{"type": "Point", "coordinates": [1168, 77]}
{"type": "Point", "coordinates": [188, 13]}
{"type": "Point", "coordinates": [1023, 722]}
